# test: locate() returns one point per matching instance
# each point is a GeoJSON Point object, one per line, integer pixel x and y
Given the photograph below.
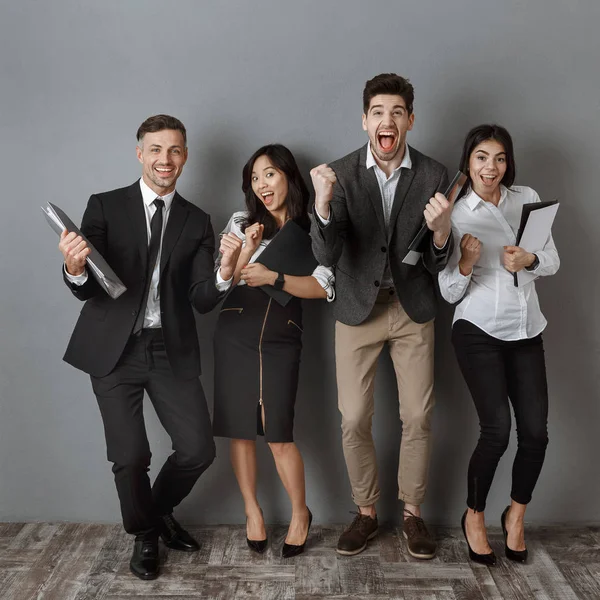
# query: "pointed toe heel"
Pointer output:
{"type": "Point", "coordinates": [514, 555]}
{"type": "Point", "coordinates": [291, 550]}
{"type": "Point", "coordinates": [484, 559]}
{"type": "Point", "coordinates": [258, 546]}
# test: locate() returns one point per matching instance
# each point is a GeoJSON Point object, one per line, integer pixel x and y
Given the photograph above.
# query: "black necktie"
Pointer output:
{"type": "Point", "coordinates": [156, 225]}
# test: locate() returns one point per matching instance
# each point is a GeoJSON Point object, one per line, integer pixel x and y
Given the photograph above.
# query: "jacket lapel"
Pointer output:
{"type": "Point", "coordinates": [369, 181]}
{"type": "Point", "coordinates": [406, 178]}
{"type": "Point", "coordinates": [137, 216]}
{"type": "Point", "coordinates": [177, 217]}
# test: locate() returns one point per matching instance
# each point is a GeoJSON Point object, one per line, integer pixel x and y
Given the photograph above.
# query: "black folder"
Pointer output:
{"type": "Point", "coordinates": [289, 252]}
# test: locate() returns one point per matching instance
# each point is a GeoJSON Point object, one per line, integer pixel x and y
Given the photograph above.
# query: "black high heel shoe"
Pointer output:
{"type": "Point", "coordinates": [515, 555]}
{"type": "Point", "coordinates": [256, 545]}
{"type": "Point", "coordinates": [484, 559]}
{"type": "Point", "coordinates": [290, 550]}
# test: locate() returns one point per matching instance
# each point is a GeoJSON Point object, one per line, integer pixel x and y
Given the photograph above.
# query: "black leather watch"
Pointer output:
{"type": "Point", "coordinates": [278, 285]}
{"type": "Point", "coordinates": [534, 265]}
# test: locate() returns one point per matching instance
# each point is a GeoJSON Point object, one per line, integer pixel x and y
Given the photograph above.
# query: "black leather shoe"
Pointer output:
{"type": "Point", "coordinates": [290, 550]}
{"type": "Point", "coordinates": [144, 560]}
{"type": "Point", "coordinates": [256, 545]}
{"type": "Point", "coordinates": [484, 559]}
{"type": "Point", "coordinates": [515, 555]}
{"type": "Point", "coordinates": [175, 536]}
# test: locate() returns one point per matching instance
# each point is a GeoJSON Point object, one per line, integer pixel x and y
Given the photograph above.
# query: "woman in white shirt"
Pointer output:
{"type": "Point", "coordinates": [258, 340]}
{"type": "Point", "coordinates": [497, 331]}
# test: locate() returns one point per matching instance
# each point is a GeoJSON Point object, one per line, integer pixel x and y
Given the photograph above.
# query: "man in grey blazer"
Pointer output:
{"type": "Point", "coordinates": [369, 205]}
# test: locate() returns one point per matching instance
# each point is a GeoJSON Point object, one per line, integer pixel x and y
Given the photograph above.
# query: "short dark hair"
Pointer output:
{"type": "Point", "coordinates": [480, 134]}
{"type": "Point", "coordinates": [389, 83]}
{"type": "Point", "coordinates": [297, 197]}
{"type": "Point", "coordinates": [160, 123]}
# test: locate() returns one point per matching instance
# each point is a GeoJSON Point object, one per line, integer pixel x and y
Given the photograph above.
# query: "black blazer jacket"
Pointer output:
{"type": "Point", "coordinates": [115, 223]}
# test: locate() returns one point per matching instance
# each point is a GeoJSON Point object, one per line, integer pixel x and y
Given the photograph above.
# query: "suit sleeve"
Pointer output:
{"type": "Point", "coordinates": [435, 259]}
{"type": "Point", "coordinates": [93, 226]}
{"type": "Point", "coordinates": [203, 293]}
{"type": "Point", "coordinates": [328, 240]}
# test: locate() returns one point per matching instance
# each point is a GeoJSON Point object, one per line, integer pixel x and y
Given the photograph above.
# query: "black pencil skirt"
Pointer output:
{"type": "Point", "coordinates": [257, 348]}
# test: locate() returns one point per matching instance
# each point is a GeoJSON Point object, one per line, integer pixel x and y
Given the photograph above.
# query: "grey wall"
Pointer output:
{"type": "Point", "coordinates": [79, 77]}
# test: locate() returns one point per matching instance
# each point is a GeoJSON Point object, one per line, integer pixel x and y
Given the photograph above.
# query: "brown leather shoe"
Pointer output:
{"type": "Point", "coordinates": [357, 534]}
{"type": "Point", "coordinates": [418, 541]}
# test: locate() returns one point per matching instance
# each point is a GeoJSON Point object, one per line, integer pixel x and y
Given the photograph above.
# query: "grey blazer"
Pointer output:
{"type": "Point", "coordinates": [356, 242]}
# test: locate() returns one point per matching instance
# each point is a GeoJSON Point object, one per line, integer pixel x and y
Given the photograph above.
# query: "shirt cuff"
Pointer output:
{"type": "Point", "coordinates": [440, 248]}
{"type": "Point", "coordinates": [323, 221]}
{"type": "Point", "coordinates": [76, 279]}
{"type": "Point", "coordinates": [222, 284]}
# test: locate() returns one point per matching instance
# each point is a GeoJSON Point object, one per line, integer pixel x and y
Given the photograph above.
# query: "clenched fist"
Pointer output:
{"type": "Point", "coordinates": [516, 259]}
{"type": "Point", "coordinates": [230, 249]}
{"type": "Point", "coordinates": [254, 235]}
{"type": "Point", "coordinates": [437, 215]}
{"type": "Point", "coordinates": [75, 250]}
{"type": "Point", "coordinates": [323, 179]}
{"type": "Point", "coordinates": [470, 251]}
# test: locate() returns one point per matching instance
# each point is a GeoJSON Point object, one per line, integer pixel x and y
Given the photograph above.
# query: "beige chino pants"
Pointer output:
{"type": "Point", "coordinates": [357, 349]}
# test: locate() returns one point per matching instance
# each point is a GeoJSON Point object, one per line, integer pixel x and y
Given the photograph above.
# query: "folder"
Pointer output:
{"type": "Point", "coordinates": [420, 242]}
{"type": "Point", "coordinates": [534, 230]}
{"type": "Point", "coordinates": [98, 267]}
{"type": "Point", "coordinates": [289, 252]}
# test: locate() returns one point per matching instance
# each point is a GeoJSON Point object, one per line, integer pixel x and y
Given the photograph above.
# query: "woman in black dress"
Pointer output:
{"type": "Point", "coordinates": [258, 341]}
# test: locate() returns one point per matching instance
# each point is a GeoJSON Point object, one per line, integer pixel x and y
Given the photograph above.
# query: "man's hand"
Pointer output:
{"type": "Point", "coordinates": [323, 179]}
{"type": "Point", "coordinates": [75, 250]}
{"type": "Point", "coordinates": [230, 249]}
{"type": "Point", "coordinates": [437, 216]}
{"type": "Point", "coordinates": [253, 235]}
{"type": "Point", "coordinates": [256, 275]}
{"type": "Point", "coordinates": [470, 251]}
{"type": "Point", "coordinates": [516, 259]}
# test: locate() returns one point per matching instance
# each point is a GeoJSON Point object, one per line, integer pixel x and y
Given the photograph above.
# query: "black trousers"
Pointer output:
{"type": "Point", "coordinates": [497, 371]}
{"type": "Point", "coordinates": [181, 407]}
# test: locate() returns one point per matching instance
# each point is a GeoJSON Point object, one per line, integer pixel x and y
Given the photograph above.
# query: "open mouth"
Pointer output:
{"type": "Point", "coordinates": [386, 140]}
{"type": "Point", "coordinates": [488, 179]}
{"type": "Point", "coordinates": [267, 197]}
{"type": "Point", "coordinates": [164, 171]}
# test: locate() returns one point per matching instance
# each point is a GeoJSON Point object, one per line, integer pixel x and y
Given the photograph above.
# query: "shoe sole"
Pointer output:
{"type": "Point", "coordinates": [361, 549]}
{"type": "Point", "coordinates": [414, 554]}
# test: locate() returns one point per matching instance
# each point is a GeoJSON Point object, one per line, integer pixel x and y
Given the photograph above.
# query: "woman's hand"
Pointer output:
{"type": "Point", "coordinates": [256, 275]}
{"type": "Point", "coordinates": [470, 251]}
{"type": "Point", "coordinates": [254, 235]}
{"type": "Point", "coordinates": [516, 259]}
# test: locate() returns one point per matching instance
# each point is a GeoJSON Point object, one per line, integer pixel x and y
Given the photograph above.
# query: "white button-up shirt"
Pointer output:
{"type": "Point", "coordinates": [488, 297]}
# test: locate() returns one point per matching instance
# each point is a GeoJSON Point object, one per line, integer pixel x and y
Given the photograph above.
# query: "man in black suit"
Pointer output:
{"type": "Point", "coordinates": [368, 207]}
{"type": "Point", "coordinates": [161, 247]}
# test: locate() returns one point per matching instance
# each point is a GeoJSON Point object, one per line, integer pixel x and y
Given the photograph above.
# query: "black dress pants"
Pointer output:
{"type": "Point", "coordinates": [497, 371]}
{"type": "Point", "coordinates": [181, 407]}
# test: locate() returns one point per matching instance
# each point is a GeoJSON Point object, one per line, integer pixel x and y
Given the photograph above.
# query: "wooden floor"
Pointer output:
{"type": "Point", "coordinates": [87, 561]}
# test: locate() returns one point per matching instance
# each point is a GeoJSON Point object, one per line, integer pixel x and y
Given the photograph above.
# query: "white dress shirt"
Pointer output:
{"type": "Point", "coordinates": [488, 297]}
{"type": "Point", "coordinates": [152, 314]}
{"type": "Point", "coordinates": [323, 275]}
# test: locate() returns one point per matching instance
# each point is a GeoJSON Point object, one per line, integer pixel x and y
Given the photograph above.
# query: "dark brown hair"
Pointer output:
{"type": "Point", "coordinates": [389, 83]}
{"type": "Point", "coordinates": [297, 198]}
{"type": "Point", "coordinates": [480, 134]}
{"type": "Point", "coordinates": [160, 123]}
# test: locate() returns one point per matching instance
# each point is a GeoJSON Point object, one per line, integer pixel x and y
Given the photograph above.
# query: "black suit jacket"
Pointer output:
{"type": "Point", "coordinates": [115, 223]}
{"type": "Point", "coordinates": [357, 242]}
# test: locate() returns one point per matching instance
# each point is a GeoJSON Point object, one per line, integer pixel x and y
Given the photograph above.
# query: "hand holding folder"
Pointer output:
{"type": "Point", "coordinates": [534, 230]}
{"type": "Point", "coordinates": [98, 267]}
{"type": "Point", "coordinates": [420, 241]}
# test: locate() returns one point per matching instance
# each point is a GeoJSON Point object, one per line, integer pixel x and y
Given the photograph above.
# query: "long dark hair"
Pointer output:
{"type": "Point", "coordinates": [480, 134]}
{"type": "Point", "coordinates": [297, 198]}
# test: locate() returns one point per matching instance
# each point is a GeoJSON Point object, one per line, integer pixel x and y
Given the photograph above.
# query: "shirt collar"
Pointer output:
{"type": "Point", "coordinates": [472, 199]}
{"type": "Point", "coordinates": [405, 164]}
{"type": "Point", "coordinates": [149, 195]}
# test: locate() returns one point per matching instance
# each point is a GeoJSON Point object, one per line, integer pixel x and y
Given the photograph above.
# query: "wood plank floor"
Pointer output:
{"type": "Point", "coordinates": [57, 561]}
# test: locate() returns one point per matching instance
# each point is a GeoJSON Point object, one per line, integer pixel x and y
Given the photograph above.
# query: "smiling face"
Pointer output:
{"type": "Point", "coordinates": [162, 154]}
{"type": "Point", "coordinates": [269, 184]}
{"type": "Point", "coordinates": [487, 166]}
{"type": "Point", "coordinates": [386, 122]}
